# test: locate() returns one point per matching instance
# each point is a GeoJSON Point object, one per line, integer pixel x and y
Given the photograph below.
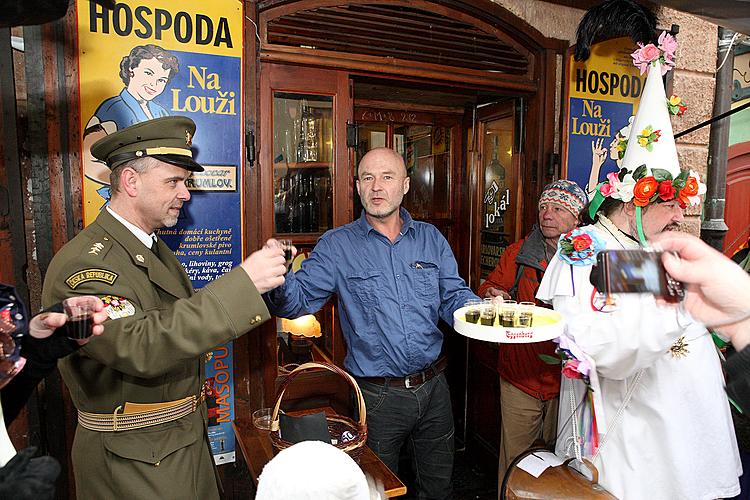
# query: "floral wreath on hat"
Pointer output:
{"type": "Point", "coordinates": [645, 186]}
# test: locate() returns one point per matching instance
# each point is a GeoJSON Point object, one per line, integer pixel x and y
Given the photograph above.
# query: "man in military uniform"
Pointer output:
{"type": "Point", "coordinates": [138, 387]}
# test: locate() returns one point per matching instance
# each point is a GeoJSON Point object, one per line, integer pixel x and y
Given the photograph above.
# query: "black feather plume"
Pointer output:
{"type": "Point", "coordinates": [613, 19]}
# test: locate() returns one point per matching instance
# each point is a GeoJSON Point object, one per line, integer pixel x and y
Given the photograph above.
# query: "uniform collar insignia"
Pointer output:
{"type": "Point", "coordinates": [96, 248]}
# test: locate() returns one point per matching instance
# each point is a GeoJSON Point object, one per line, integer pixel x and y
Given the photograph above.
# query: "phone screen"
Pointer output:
{"type": "Point", "coordinates": [636, 271]}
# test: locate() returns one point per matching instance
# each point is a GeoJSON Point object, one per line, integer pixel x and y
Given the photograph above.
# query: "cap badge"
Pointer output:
{"type": "Point", "coordinates": [188, 138]}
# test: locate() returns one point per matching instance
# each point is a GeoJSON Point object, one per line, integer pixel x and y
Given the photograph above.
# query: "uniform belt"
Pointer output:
{"type": "Point", "coordinates": [139, 415]}
{"type": "Point", "coordinates": [412, 380]}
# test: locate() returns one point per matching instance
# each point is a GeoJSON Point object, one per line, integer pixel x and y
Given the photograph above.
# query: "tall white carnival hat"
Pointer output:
{"type": "Point", "coordinates": [650, 171]}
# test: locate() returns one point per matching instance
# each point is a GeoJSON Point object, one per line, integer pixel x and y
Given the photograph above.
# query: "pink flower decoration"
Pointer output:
{"type": "Point", "coordinates": [644, 56]}
{"type": "Point", "coordinates": [607, 189]}
{"type": "Point", "coordinates": [650, 53]}
{"type": "Point", "coordinates": [668, 44]}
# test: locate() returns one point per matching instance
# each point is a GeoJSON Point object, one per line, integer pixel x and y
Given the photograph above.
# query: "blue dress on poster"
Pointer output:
{"type": "Point", "coordinates": [592, 139]}
{"type": "Point", "coordinates": [125, 111]}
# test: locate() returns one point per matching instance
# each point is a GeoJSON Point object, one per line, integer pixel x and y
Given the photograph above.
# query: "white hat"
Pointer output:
{"type": "Point", "coordinates": [312, 470]}
{"type": "Point", "coordinates": [651, 140]}
{"type": "Point", "coordinates": [650, 170]}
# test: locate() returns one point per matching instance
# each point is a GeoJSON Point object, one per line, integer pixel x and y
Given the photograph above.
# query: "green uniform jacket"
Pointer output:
{"type": "Point", "coordinates": [151, 355]}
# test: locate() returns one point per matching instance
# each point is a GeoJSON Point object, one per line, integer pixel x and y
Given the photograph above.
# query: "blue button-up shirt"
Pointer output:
{"type": "Point", "coordinates": [390, 295]}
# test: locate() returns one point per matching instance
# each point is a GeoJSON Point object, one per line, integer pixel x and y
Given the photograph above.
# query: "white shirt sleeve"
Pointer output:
{"type": "Point", "coordinates": [620, 342]}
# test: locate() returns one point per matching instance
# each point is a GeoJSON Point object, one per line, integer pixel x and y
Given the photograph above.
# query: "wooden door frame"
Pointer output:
{"type": "Point", "coordinates": [738, 171]}
{"type": "Point", "coordinates": [505, 109]}
{"type": "Point", "coordinates": [540, 90]}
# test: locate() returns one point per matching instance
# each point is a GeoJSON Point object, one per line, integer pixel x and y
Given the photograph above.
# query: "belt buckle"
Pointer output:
{"type": "Point", "coordinates": [421, 376]}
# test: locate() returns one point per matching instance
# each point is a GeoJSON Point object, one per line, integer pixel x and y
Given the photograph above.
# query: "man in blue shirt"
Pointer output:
{"type": "Point", "coordinates": [395, 278]}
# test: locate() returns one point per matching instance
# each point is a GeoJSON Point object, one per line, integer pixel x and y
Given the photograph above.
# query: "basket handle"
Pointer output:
{"type": "Point", "coordinates": [332, 368]}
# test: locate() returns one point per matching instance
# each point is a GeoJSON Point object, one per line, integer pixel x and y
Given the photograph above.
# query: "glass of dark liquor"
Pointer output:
{"type": "Point", "coordinates": [525, 316]}
{"type": "Point", "coordinates": [286, 245]}
{"type": "Point", "coordinates": [508, 313]}
{"type": "Point", "coordinates": [472, 313]}
{"type": "Point", "coordinates": [488, 312]}
{"type": "Point", "coordinates": [80, 324]}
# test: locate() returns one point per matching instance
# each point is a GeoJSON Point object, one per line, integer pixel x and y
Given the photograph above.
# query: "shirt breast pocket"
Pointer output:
{"type": "Point", "coordinates": [426, 280]}
{"type": "Point", "coordinates": [364, 285]}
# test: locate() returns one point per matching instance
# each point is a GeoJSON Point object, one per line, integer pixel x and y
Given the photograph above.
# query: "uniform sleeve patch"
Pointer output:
{"type": "Point", "coordinates": [117, 307]}
{"type": "Point", "coordinates": [85, 275]}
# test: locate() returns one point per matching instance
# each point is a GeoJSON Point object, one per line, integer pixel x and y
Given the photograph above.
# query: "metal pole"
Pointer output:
{"type": "Point", "coordinates": [713, 227]}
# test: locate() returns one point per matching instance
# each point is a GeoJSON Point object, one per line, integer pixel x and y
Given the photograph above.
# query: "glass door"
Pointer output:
{"type": "Point", "coordinates": [498, 202]}
{"type": "Point", "coordinates": [303, 152]}
{"type": "Point", "coordinates": [305, 186]}
{"type": "Point", "coordinates": [425, 141]}
{"type": "Point", "coordinates": [302, 163]}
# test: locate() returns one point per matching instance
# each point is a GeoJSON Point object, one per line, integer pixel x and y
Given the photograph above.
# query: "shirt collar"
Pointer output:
{"type": "Point", "coordinates": [143, 236]}
{"type": "Point", "coordinates": [365, 226]}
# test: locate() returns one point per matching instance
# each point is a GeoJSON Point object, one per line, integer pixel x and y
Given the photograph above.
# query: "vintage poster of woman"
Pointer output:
{"type": "Point", "coordinates": [143, 60]}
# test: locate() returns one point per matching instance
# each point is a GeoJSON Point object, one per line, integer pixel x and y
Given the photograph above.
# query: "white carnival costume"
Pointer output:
{"type": "Point", "coordinates": [652, 414]}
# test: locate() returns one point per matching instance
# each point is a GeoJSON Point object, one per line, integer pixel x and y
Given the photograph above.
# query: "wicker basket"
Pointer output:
{"type": "Point", "coordinates": [337, 424]}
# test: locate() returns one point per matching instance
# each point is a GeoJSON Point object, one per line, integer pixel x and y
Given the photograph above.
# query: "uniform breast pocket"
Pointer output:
{"type": "Point", "coordinates": [364, 285]}
{"type": "Point", "coordinates": [426, 280]}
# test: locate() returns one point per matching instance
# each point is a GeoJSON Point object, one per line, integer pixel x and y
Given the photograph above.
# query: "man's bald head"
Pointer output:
{"type": "Point", "coordinates": [382, 156]}
{"type": "Point", "coordinates": [382, 183]}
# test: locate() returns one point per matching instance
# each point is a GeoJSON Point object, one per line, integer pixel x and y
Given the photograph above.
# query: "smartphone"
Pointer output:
{"type": "Point", "coordinates": [635, 271]}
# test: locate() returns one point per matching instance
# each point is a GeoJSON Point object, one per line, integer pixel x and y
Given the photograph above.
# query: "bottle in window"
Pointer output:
{"type": "Point", "coordinates": [280, 206]}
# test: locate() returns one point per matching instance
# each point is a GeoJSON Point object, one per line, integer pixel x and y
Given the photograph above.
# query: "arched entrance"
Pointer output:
{"type": "Point", "coordinates": [464, 90]}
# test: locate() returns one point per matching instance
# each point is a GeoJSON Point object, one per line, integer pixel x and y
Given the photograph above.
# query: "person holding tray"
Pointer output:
{"type": "Point", "coordinates": [528, 386]}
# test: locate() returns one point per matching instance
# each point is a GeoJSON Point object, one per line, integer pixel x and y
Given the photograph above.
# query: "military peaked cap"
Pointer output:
{"type": "Point", "coordinates": [167, 139]}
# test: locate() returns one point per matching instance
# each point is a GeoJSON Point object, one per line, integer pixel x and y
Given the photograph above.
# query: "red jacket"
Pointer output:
{"type": "Point", "coordinates": [520, 364]}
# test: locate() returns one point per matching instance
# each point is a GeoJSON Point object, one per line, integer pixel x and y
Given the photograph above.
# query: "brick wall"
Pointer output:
{"type": "Point", "coordinates": [693, 78]}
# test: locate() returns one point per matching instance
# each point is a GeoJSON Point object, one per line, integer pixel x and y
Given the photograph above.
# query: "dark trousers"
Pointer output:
{"type": "Point", "coordinates": [422, 417]}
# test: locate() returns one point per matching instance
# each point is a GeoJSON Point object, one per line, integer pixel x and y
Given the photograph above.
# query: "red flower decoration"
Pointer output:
{"type": "Point", "coordinates": [643, 190]}
{"type": "Point", "coordinates": [690, 189]}
{"type": "Point", "coordinates": [666, 190]}
{"type": "Point", "coordinates": [570, 369]}
{"type": "Point", "coordinates": [581, 242]}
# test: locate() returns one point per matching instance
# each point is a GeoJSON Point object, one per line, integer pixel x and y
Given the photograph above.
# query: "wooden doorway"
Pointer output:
{"type": "Point", "coordinates": [738, 192]}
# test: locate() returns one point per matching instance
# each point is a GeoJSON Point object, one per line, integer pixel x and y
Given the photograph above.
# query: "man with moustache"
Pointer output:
{"type": "Point", "coordinates": [395, 278]}
{"type": "Point", "coordinates": [139, 388]}
{"type": "Point", "coordinates": [642, 394]}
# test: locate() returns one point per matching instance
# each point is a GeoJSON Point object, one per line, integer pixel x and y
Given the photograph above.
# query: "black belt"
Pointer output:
{"type": "Point", "coordinates": [412, 380]}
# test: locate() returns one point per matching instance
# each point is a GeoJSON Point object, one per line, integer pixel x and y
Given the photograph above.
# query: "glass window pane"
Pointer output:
{"type": "Point", "coordinates": [498, 198]}
{"type": "Point", "coordinates": [303, 162]}
{"type": "Point", "coordinates": [427, 154]}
